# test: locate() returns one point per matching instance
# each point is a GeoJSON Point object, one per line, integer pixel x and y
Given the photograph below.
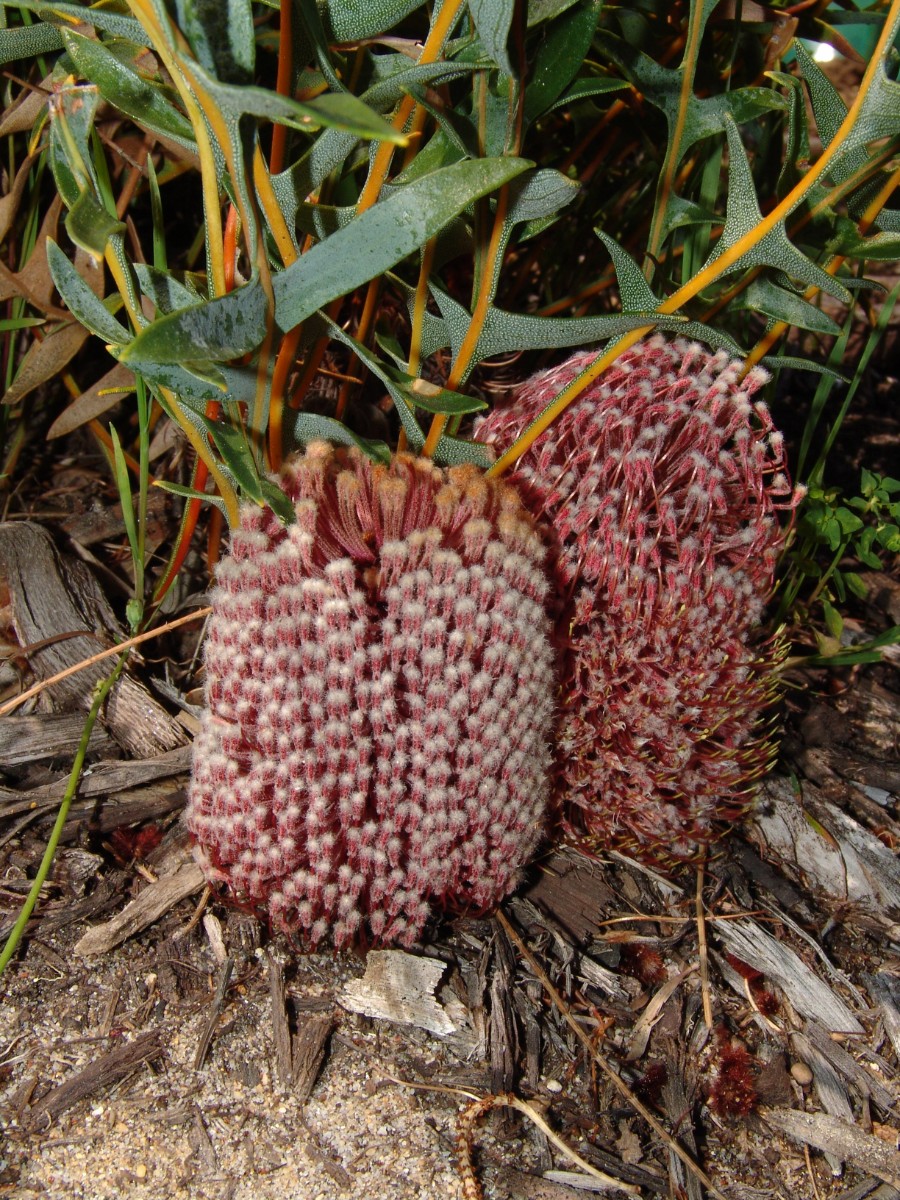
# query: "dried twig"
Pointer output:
{"type": "Point", "coordinates": [621, 1086]}
{"type": "Point", "coordinates": [703, 949]}
{"type": "Point", "coordinates": [146, 908]}
{"type": "Point", "coordinates": [36, 689]}
{"type": "Point", "coordinates": [471, 1188]}
{"type": "Point", "coordinates": [215, 1009]}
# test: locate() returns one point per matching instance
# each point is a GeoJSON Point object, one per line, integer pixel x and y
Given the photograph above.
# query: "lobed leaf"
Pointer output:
{"type": "Point", "coordinates": [337, 110]}
{"type": "Point", "coordinates": [384, 234]}
{"type": "Point", "coordinates": [28, 41]}
{"type": "Point", "coordinates": [215, 330]}
{"type": "Point", "coordinates": [697, 118]}
{"type": "Point", "coordinates": [559, 57]}
{"type": "Point", "coordinates": [189, 493]}
{"type": "Point", "coordinates": [743, 216]}
{"type": "Point", "coordinates": [222, 36]}
{"type": "Point", "coordinates": [450, 450]}
{"type": "Point", "coordinates": [332, 148]}
{"type": "Point", "coordinates": [90, 226]}
{"type": "Point", "coordinates": [352, 20]}
{"type": "Point", "coordinates": [80, 300]}
{"type": "Point", "coordinates": [309, 427]}
{"type": "Point", "coordinates": [128, 91]}
{"type": "Point", "coordinates": [493, 20]}
{"type": "Point", "coordinates": [167, 293]}
{"type": "Point", "coordinates": [539, 193]}
{"type": "Point", "coordinates": [781, 304]}
{"type": "Point", "coordinates": [77, 14]}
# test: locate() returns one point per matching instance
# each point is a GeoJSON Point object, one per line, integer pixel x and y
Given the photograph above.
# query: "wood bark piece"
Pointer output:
{"type": "Point", "coordinates": [809, 994]}
{"type": "Point", "coordinates": [866, 1083]}
{"type": "Point", "coordinates": [503, 1045]}
{"type": "Point", "coordinates": [281, 1033]}
{"type": "Point", "coordinates": [643, 1027]}
{"type": "Point", "coordinates": [578, 1181]}
{"type": "Point", "coordinates": [202, 1144]}
{"type": "Point", "coordinates": [885, 991]}
{"type": "Point", "coordinates": [52, 594]}
{"type": "Point", "coordinates": [843, 865]}
{"type": "Point", "coordinates": [830, 1090]}
{"type": "Point", "coordinates": [823, 849]}
{"type": "Point", "coordinates": [846, 1142]}
{"type": "Point", "coordinates": [572, 889]}
{"type": "Point", "coordinates": [309, 1046]}
{"type": "Point", "coordinates": [213, 1013]}
{"type": "Point", "coordinates": [30, 739]}
{"type": "Point", "coordinates": [156, 899]}
{"type": "Point", "coordinates": [102, 1072]}
{"type": "Point", "coordinates": [101, 779]}
{"type": "Point", "coordinates": [617, 987]}
{"type": "Point", "coordinates": [399, 987]}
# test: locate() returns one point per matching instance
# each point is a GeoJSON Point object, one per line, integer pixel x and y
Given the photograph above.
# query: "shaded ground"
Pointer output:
{"type": "Point", "coordinates": [198, 1058]}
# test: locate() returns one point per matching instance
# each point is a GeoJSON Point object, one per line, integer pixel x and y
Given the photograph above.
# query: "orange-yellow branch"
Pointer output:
{"type": "Point", "coordinates": [720, 265]}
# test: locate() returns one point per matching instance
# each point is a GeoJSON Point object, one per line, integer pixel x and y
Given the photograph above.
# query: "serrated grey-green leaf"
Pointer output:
{"type": "Point", "coordinates": [217, 330]}
{"type": "Point", "coordinates": [385, 234]}
{"type": "Point", "coordinates": [81, 301]}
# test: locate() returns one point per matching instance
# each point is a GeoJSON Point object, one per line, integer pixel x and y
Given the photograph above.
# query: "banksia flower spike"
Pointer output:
{"type": "Point", "coordinates": [660, 486]}
{"type": "Point", "coordinates": [380, 680]}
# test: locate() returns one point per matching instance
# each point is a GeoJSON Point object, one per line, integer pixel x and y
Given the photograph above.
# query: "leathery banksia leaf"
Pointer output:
{"type": "Point", "coordinates": [660, 487]}
{"type": "Point", "coordinates": [381, 688]}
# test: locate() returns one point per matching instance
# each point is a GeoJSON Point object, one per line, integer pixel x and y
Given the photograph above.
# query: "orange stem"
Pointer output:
{"type": "Point", "coordinates": [230, 247]}
{"type": "Point", "coordinates": [282, 369]}
{"type": "Point", "coordinates": [283, 83]}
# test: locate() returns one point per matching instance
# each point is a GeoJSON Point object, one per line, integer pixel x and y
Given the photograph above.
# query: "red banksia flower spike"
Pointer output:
{"type": "Point", "coordinates": [659, 489]}
{"type": "Point", "coordinates": [381, 689]}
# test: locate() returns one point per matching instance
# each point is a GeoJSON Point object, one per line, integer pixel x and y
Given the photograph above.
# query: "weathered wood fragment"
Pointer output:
{"type": "Point", "coordinates": [281, 1033]}
{"type": "Point", "coordinates": [867, 1084]}
{"type": "Point", "coordinates": [573, 891]}
{"type": "Point", "coordinates": [809, 994]}
{"type": "Point", "coordinates": [885, 991]}
{"type": "Point", "coordinates": [156, 899]}
{"type": "Point", "coordinates": [213, 1014]}
{"type": "Point", "coordinates": [104, 1071]}
{"type": "Point", "coordinates": [99, 780]}
{"type": "Point", "coordinates": [846, 868]}
{"type": "Point", "coordinates": [830, 1089]}
{"type": "Point", "coordinates": [845, 1141]}
{"type": "Point", "coordinates": [399, 987]}
{"type": "Point", "coordinates": [308, 1049]}
{"type": "Point", "coordinates": [25, 740]}
{"type": "Point", "coordinates": [503, 1044]}
{"type": "Point", "coordinates": [202, 1144]}
{"type": "Point", "coordinates": [53, 594]}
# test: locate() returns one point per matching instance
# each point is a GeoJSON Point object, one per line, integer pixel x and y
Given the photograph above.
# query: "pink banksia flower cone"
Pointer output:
{"type": "Point", "coordinates": [660, 487]}
{"type": "Point", "coordinates": [380, 685]}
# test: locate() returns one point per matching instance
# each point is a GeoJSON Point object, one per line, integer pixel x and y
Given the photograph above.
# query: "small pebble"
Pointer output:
{"type": "Point", "coordinates": [553, 1085]}
{"type": "Point", "coordinates": [801, 1073]}
{"type": "Point", "coordinates": [141, 1170]}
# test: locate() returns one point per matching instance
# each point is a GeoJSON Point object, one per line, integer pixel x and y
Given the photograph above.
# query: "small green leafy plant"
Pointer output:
{"type": "Point", "coordinates": [378, 185]}
{"type": "Point", "coordinates": [832, 531]}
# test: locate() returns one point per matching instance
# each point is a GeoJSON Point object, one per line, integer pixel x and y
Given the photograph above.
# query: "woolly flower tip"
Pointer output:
{"type": "Point", "coordinates": [661, 485]}
{"type": "Point", "coordinates": [380, 694]}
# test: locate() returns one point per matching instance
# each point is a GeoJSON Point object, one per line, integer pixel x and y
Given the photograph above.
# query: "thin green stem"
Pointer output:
{"type": "Point", "coordinates": [100, 694]}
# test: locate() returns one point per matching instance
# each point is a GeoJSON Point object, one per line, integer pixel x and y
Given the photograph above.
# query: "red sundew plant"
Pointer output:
{"type": "Point", "coordinates": [381, 690]}
{"type": "Point", "coordinates": [733, 1091]}
{"type": "Point", "coordinates": [659, 489]}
